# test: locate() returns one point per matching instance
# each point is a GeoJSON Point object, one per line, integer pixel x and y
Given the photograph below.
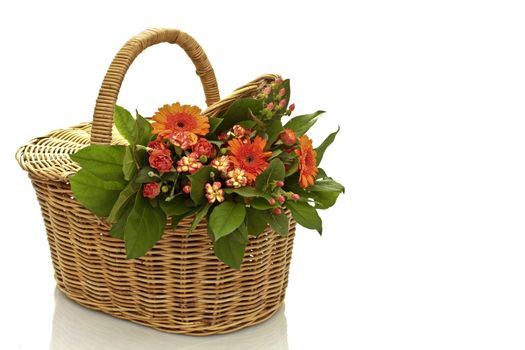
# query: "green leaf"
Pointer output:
{"type": "Point", "coordinates": [324, 200]}
{"type": "Point", "coordinates": [274, 172]}
{"type": "Point", "coordinates": [261, 204]}
{"type": "Point", "coordinates": [321, 174]}
{"type": "Point", "coordinates": [127, 193]}
{"type": "Point", "coordinates": [143, 175]}
{"type": "Point", "coordinates": [274, 129]}
{"type": "Point", "coordinates": [201, 177]}
{"type": "Point", "coordinates": [144, 227]}
{"type": "Point", "coordinates": [230, 249]}
{"type": "Point", "coordinates": [94, 193]}
{"type": "Point", "coordinates": [248, 192]}
{"type": "Point", "coordinates": [177, 206]}
{"type": "Point", "coordinates": [126, 124]}
{"type": "Point", "coordinates": [118, 228]}
{"type": "Point", "coordinates": [214, 124]}
{"type": "Point", "coordinates": [326, 185]}
{"type": "Point", "coordinates": [129, 168]}
{"type": "Point", "coordinates": [103, 161]}
{"type": "Point", "coordinates": [144, 130]}
{"type": "Point", "coordinates": [199, 215]}
{"type": "Point", "coordinates": [238, 111]}
{"type": "Point", "coordinates": [170, 176]}
{"type": "Point", "coordinates": [323, 146]}
{"type": "Point", "coordinates": [279, 223]}
{"type": "Point", "coordinates": [175, 219]}
{"type": "Point", "coordinates": [247, 124]}
{"type": "Point", "coordinates": [305, 215]}
{"type": "Point", "coordinates": [226, 217]}
{"type": "Point", "coordinates": [256, 220]}
{"type": "Point", "coordinates": [301, 124]}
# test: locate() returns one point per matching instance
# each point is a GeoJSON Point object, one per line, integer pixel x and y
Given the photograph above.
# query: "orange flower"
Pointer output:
{"type": "Point", "coordinates": [249, 156]}
{"type": "Point", "coordinates": [180, 118]}
{"type": "Point", "coordinates": [307, 162]}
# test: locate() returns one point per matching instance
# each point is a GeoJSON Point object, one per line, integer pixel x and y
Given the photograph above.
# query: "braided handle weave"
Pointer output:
{"type": "Point", "coordinates": [107, 96]}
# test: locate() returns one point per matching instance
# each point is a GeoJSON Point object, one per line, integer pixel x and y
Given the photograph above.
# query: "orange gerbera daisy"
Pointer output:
{"type": "Point", "coordinates": [249, 156]}
{"type": "Point", "coordinates": [307, 162]}
{"type": "Point", "coordinates": [180, 118]}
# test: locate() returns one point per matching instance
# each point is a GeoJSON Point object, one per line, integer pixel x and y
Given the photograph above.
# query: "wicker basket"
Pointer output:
{"type": "Point", "coordinates": [179, 286]}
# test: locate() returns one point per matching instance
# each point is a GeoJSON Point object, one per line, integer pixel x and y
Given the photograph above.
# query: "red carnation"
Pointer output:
{"type": "Point", "coordinates": [157, 144]}
{"type": "Point", "coordinates": [288, 137]}
{"type": "Point", "coordinates": [203, 148]}
{"type": "Point", "coordinates": [161, 160]}
{"type": "Point", "coordinates": [151, 190]}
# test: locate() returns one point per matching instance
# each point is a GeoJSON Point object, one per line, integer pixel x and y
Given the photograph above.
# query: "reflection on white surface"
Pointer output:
{"type": "Point", "coordinates": [75, 327]}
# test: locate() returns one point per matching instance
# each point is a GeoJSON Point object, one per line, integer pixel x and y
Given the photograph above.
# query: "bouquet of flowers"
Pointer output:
{"type": "Point", "coordinates": [242, 170]}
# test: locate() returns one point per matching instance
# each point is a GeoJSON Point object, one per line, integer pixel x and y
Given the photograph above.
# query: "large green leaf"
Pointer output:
{"type": "Point", "coordinates": [144, 130]}
{"type": "Point", "coordinates": [103, 161]}
{"type": "Point", "coordinates": [323, 146]}
{"type": "Point", "coordinates": [144, 227]}
{"type": "Point", "coordinates": [305, 215]}
{"type": "Point", "coordinates": [273, 130]}
{"type": "Point", "coordinates": [118, 228]}
{"type": "Point", "coordinates": [279, 223]}
{"type": "Point", "coordinates": [214, 123]}
{"type": "Point", "coordinates": [199, 215]}
{"type": "Point", "coordinates": [274, 172]}
{"type": "Point", "coordinates": [226, 217]}
{"type": "Point", "coordinates": [256, 220]}
{"type": "Point", "coordinates": [125, 124]}
{"type": "Point", "coordinates": [230, 248]}
{"type": "Point", "coordinates": [176, 206]}
{"type": "Point", "coordinates": [326, 185]}
{"type": "Point", "coordinates": [94, 193]}
{"type": "Point", "coordinates": [260, 204]}
{"type": "Point", "coordinates": [238, 111]}
{"type": "Point", "coordinates": [301, 124]}
{"type": "Point", "coordinates": [129, 167]}
{"type": "Point", "coordinates": [198, 180]}
{"type": "Point", "coordinates": [143, 175]}
{"type": "Point", "coordinates": [127, 194]}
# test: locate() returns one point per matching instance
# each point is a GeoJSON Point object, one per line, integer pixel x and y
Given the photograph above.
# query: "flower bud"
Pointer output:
{"type": "Point", "coordinates": [203, 159]}
{"type": "Point", "coordinates": [277, 211]}
{"type": "Point", "coordinates": [279, 183]}
{"type": "Point", "coordinates": [271, 201]}
{"type": "Point", "coordinates": [282, 92]}
{"type": "Point", "coordinates": [282, 103]}
{"type": "Point", "coordinates": [295, 196]}
{"type": "Point", "coordinates": [270, 106]}
{"type": "Point", "coordinates": [281, 199]}
{"type": "Point", "coordinates": [278, 81]}
{"type": "Point", "coordinates": [267, 90]}
{"type": "Point", "coordinates": [291, 107]}
{"type": "Point", "coordinates": [164, 188]}
{"type": "Point", "coordinates": [224, 151]}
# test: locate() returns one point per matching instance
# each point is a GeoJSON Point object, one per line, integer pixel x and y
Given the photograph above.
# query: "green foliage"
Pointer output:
{"type": "Point", "coordinates": [274, 172]}
{"type": "Point", "coordinates": [279, 223]}
{"type": "Point", "coordinates": [273, 130]}
{"type": "Point", "coordinates": [305, 215]}
{"type": "Point", "coordinates": [129, 166]}
{"type": "Point", "coordinates": [256, 221]}
{"type": "Point", "coordinates": [323, 146]}
{"type": "Point", "coordinates": [226, 217]}
{"type": "Point", "coordinates": [118, 228]}
{"type": "Point", "coordinates": [230, 248]}
{"type": "Point", "coordinates": [124, 197]}
{"type": "Point", "coordinates": [301, 124]}
{"type": "Point", "coordinates": [238, 111]}
{"type": "Point", "coordinates": [198, 180]}
{"type": "Point", "coordinates": [176, 206]}
{"type": "Point", "coordinates": [247, 192]}
{"type": "Point", "coordinates": [143, 175]}
{"type": "Point", "coordinates": [103, 161]}
{"type": "Point", "coordinates": [214, 124]}
{"type": "Point", "coordinates": [199, 215]}
{"type": "Point", "coordinates": [94, 193]}
{"type": "Point", "coordinates": [126, 124]}
{"type": "Point", "coordinates": [144, 227]}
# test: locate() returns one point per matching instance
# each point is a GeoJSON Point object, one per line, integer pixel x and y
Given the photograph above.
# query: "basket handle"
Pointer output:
{"type": "Point", "coordinates": [107, 96]}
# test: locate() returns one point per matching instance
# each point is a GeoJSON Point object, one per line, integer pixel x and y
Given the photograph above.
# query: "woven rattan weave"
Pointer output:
{"type": "Point", "coordinates": [179, 286]}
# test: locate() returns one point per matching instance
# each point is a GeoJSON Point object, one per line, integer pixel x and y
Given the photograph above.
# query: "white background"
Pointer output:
{"type": "Point", "coordinates": [425, 250]}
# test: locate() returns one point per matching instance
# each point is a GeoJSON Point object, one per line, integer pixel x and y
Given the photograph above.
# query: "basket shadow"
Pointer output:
{"type": "Point", "coordinates": [76, 328]}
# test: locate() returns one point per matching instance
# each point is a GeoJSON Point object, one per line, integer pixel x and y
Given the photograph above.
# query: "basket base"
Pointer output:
{"type": "Point", "coordinates": [260, 317]}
